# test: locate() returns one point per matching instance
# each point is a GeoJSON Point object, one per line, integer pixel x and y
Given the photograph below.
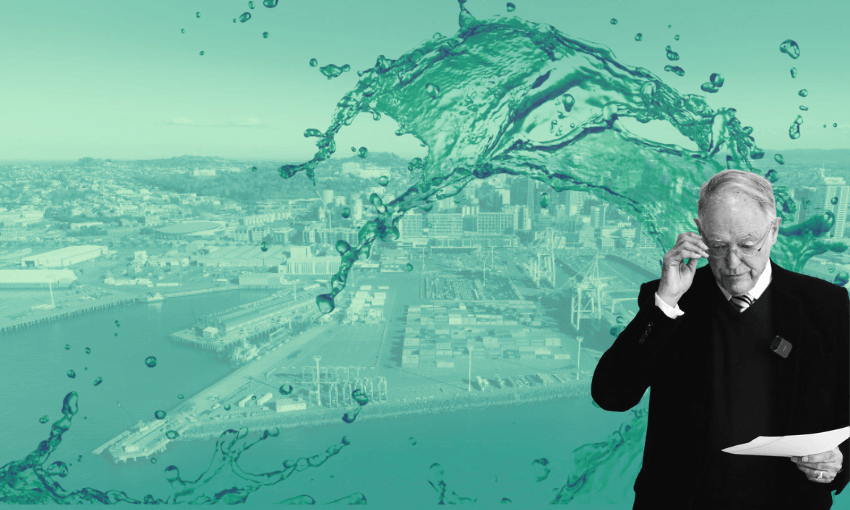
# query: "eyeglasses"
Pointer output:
{"type": "Point", "coordinates": [743, 251]}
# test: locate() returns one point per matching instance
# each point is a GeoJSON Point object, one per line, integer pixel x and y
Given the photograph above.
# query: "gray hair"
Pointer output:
{"type": "Point", "coordinates": [754, 186]}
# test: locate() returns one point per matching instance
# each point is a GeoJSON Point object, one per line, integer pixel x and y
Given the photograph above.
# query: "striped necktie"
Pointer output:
{"type": "Point", "coordinates": [742, 302]}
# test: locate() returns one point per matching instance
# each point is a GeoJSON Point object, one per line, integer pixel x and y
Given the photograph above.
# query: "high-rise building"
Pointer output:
{"type": "Point", "coordinates": [834, 196]}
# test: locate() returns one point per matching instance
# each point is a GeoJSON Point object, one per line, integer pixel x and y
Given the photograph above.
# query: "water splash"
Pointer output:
{"type": "Point", "coordinates": [446, 495]}
{"type": "Point", "coordinates": [32, 480]}
{"type": "Point", "coordinates": [497, 123]}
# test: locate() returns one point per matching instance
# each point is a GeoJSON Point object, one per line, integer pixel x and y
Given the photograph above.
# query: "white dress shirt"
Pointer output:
{"type": "Point", "coordinates": [756, 292]}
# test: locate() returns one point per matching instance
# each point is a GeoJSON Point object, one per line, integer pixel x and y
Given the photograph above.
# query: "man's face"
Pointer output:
{"type": "Point", "coordinates": [733, 224]}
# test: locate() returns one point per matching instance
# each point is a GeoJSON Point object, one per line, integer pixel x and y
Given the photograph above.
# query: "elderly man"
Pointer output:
{"type": "Point", "coordinates": [702, 340]}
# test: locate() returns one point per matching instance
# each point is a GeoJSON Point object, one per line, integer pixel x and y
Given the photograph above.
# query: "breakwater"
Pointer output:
{"type": "Point", "coordinates": [211, 427]}
{"type": "Point", "coordinates": [76, 312]}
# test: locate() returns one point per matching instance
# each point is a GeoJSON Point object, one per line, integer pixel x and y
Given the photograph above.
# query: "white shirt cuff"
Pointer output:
{"type": "Point", "coordinates": [668, 310]}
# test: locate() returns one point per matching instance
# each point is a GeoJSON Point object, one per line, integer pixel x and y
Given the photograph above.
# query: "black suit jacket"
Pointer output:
{"type": "Point", "coordinates": [670, 355]}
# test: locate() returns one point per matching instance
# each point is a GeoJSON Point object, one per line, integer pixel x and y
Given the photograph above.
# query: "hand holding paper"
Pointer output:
{"type": "Point", "coordinates": [792, 446]}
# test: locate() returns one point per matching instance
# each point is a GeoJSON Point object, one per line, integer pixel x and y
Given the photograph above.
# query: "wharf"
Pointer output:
{"type": "Point", "coordinates": [76, 312]}
{"type": "Point", "coordinates": [210, 428]}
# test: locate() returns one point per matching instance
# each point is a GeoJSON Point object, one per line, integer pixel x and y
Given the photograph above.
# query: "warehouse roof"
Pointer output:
{"type": "Point", "coordinates": [68, 251]}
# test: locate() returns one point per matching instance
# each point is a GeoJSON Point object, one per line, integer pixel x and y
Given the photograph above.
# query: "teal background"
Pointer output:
{"type": "Point", "coordinates": [119, 80]}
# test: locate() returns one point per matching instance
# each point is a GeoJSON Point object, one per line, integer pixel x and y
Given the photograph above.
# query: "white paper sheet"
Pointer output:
{"type": "Point", "coordinates": [792, 446]}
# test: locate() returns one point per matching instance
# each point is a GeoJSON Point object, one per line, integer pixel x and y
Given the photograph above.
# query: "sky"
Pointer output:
{"type": "Point", "coordinates": [106, 79]}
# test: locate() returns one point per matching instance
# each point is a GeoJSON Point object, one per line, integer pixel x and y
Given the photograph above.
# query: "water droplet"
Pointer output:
{"type": "Point", "coordinates": [349, 417]}
{"type": "Point", "coordinates": [363, 152]}
{"type": "Point", "coordinates": [616, 330]}
{"type": "Point", "coordinates": [841, 278]}
{"type": "Point", "coordinates": [180, 396]}
{"type": "Point", "coordinates": [798, 120]}
{"type": "Point", "coordinates": [541, 469]}
{"type": "Point", "coordinates": [675, 69]}
{"type": "Point", "coordinates": [159, 415]}
{"type": "Point", "coordinates": [353, 149]}
{"type": "Point", "coordinates": [793, 72]}
{"type": "Point", "coordinates": [313, 62]}
{"type": "Point", "coordinates": [245, 17]}
{"type": "Point", "coordinates": [672, 55]}
{"type": "Point", "coordinates": [833, 200]}
{"type": "Point", "coordinates": [835, 124]}
{"type": "Point", "coordinates": [803, 93]}
{"type": "Point", "coordinates": [804, 108]}
{"type": "Point", "coordinates": [717, 79]}
{"type": "Point", "coordinates": [346, 212]}
{"type": "Point", "coordinates": [202, 53]}
{"type": "Point", "coordinates": [234, 20]}
{"type": "Point", "coordinates": [568, 101]}
{"type": "Point", "coordinates": [172, 434]}
{"type": "Point", "coordinates": [619, 319]}
{"type": "Point", "coordinates": [265, 35]}
{"type": "Point", "coordinates": [72, 374]}
{"type": "Point", "coordinates": [43, 419]}
{"type": "Point", "coordinates": [197, 14]}
{"type": "Point", "coordinates": [182, 30]}
{"type": "Point", "coordinates": [708, 87]}
{"type": "Point", "coordinates": [153, 460]}
{"type": "Point", "coordinates": [383, 180]}
{"type": "Point", "coordinates": [412, 440]}
{"type": "Point", "coordinates": [253, 397]}
{"type": "Point", "coordinates": [325, 303]}
{"type": "Point", "coordinates": [779, 159]}
{"type": "Point", "coordinates": [638, 37]}
{"type": "Point", "coordinates": [264, 246]}
{"type": "Point", "coordinates": [67, 347]}
{"type": "Point", "coordinates": [250, 5]}
{"type": "Point", "coordinates": [669, 26]}
{"type": "Point", "coordinates": [510, 7]}
{"type": "Point", "coordinates": [227, 407]}
{"type": "Point", "coordinates": [88, 350]}
{"type": "Point", "coordinates": [791, 48]}
{"type": "Point", "coordinates": [253, 169]}
{"type": "Point", "coordinates": [436, 35]}
{"type": "Point", "coordinates": [794, 131]}
{"type": "Point", "coordinates": [614, 21]}
{"type": "Point", "coordinates": [676, 37]}
{"type": "Point", "coordinates": [360, 397]}
{"type": "Point", "coordinates": [270, 3]}
{"type": "Point", "coordinates": [544, 200]}
{"type": "Point", "coordinates": [98, 380]}
{"type": "Point", "coordinates": [831, 269]}
{"type": "Point", "coordinates": [408, 267]}
{"type": "Point", "coordinates": [432, 90]}
{"type": "Point", "coordinates": [150, 361]}
{"type": "Point", "coordinates": [285, 389]}
{"type": "Point", "coordinates": [572, 125]}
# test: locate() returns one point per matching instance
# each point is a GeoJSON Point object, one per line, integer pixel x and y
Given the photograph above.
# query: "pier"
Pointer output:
{"type": "Point", "coordinates": [70, 314]}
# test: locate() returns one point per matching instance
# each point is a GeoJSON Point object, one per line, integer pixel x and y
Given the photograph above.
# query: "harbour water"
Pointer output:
{"type": "Point", "coordinates": [475, 447]}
